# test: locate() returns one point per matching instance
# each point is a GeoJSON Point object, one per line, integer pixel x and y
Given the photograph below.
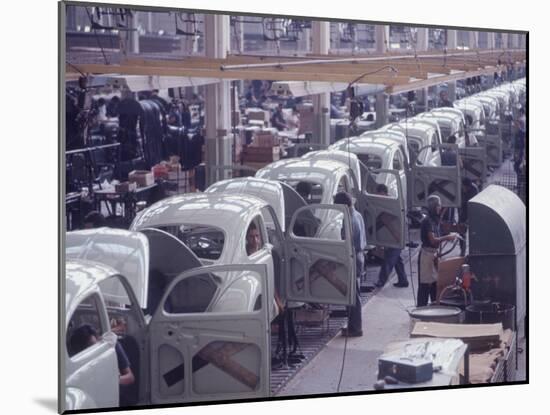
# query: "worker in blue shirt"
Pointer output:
{"type": "Point", "coordinates": [359, 240]}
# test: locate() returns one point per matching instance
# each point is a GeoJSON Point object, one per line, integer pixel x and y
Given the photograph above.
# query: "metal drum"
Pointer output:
{"type": "Point", "coordinates": [491, 313]}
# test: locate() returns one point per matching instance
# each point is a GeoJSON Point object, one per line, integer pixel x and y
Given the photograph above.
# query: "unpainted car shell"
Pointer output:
{"type": "Point", "coordinates": [327, 173]}
{"type": "Point", "coordinates": [130, 257]}
{"type": "Point", "coordinates": [448, 120]}
{"type": "Point", "coordinates": [91, 376]}
{"type": "Point", "coordinates": [344, 157]}
{"type": "Point", "coordinates": [422, 134]}
{"type": "Point", "coordinates": [397, 136]}
{"type": "Point", "coordinates": [231, 214]}
{"type": "Point", "coordinates": [385, 149]}
{"type": "Point", "coordinates": [270, 191]}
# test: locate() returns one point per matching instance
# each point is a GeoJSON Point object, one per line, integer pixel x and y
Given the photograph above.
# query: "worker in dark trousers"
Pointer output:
{"type": "Point", "coordinates": [392, 257]}
{"type": "Point", "coordinates": [359, 239]}
{"type": "Point", "coordinates": [430, 235]}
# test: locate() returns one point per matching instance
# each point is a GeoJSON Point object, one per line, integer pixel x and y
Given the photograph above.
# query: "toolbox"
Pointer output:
{"type": "Point", "coordinates": [405, 369]}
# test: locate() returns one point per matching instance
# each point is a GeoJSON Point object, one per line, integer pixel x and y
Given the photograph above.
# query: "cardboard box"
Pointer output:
{"type": "Point", "coordinates": [266, 140]}
{"type": "Point", "coordinates": [306, 119]}
{"type": "Point", "coordinates": [125, 187]}
{"type": "Point", "coordinates": [141, 177]}
{"type": "Point", "coordinates": [261, 154]}
{"type": "Point", "coordinates": [257, 114]}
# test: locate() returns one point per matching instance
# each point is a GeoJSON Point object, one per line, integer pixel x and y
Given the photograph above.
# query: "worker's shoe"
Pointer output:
{"type": "Point", "coordinates": [380, 284]}
{"type": "Point", "coordinates": [401, 284]}
{"type": "Point", "coordinates": [346, 332]}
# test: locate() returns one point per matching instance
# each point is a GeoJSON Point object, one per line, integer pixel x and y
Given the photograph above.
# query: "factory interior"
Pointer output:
{"type": "Point", "coordinates": [257, 206]}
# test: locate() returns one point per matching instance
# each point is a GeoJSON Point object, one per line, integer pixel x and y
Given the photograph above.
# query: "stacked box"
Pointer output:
{"type": "Point", "coordinates": [257, 114]}
{"type": "Point", "coordinates": [266, 140]}
{"type": "Point", "coordinates": [125, 187]}
{"type": "Point", "coordinates": [306, 119]}
{"type": "Point", "coordinates": [181, 182]}
{"type": "Point", "coordinates": [141, 177]}
{"type": "Point", "coordinates": [261, 154]}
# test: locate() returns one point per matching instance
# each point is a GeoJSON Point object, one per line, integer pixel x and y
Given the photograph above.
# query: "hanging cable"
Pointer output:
{"type": "Point", "coordinates": [76, 68]}
{"type": "Point", "coordinates": [408, 227]}
{"type": "Point", "coordinates": [343, 364]}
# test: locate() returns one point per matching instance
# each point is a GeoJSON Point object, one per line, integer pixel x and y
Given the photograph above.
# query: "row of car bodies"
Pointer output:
{"type": "Point", "coordinates": [196, 305]}
{"type": "Point", "coordinates": [197, 326]}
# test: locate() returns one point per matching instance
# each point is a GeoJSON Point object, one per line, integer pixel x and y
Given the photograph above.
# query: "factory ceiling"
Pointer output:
{"type": "Point", "coordinates": [398, 72]}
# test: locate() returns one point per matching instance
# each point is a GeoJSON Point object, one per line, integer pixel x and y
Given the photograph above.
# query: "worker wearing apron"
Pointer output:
{"type": "Point", "coordinates": [430, 234]}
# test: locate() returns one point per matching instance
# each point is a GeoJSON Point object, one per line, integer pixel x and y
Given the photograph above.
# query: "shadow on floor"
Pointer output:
{"type": "Point", "coordinates": [47, 403]}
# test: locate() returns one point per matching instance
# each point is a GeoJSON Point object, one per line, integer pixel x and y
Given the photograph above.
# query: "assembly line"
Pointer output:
{"type": "Point", "coordinates": [290, 252]}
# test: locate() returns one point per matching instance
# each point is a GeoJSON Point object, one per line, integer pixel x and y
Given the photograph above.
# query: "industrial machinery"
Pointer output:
{"type": "Point", "coordinates": [498, 247]}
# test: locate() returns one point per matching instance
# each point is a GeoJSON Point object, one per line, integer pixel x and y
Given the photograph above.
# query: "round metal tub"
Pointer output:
{"type": "Point", "coordinates": [491, 313]}
{"type": "Point", "coordinates": [436, 314]}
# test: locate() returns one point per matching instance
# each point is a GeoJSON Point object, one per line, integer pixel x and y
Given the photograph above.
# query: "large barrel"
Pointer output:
{"type": "Point", "coordinates": [491, 313]}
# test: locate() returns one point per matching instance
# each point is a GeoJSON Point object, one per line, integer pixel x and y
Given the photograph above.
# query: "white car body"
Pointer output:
{"type": "Point", "coordinates": [387, 152]}
{"type": "Point", "coordinates": [160, 347]}
{"type": "Point", "coordinates": [451, 122]}
{"type": "Point", "coordinates": [331, 175]}
{"type": "Point", "coordinates": [91, 375]}
{"type": "Point", "coordinates": [344, 157]}
{"type": "Point", "coordinates": [421, 134]}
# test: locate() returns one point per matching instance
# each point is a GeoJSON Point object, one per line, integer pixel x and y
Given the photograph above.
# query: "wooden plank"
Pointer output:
{"type": "Point", "coordinates": [221, 359]}
{"type": "Point", "coordinates": [272, 75]}
{"type": "Point", "coordinates": [415, 85]}
{"type": "Point", "coordinates": [404, 68]}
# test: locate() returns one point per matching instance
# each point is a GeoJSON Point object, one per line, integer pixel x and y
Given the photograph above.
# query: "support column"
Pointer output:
{"type": "Point", "coordinates": [382, 38]}
{"type": "Point", "coordinates": [422, 98]}
{"type": "Point", "coordinates": [522, 41]}
{"type": "Point", "coordinates": [71, 17]}
{"type": "Point", "coordinates": [452, 43]}
{"type": "Point", "coordinates": [133, 47]}
{"type": "Point", "coordinates": [504, 40]}
{"type": "Point", "coordinates": [452, 39]}
{"type": "Point", "coordinates": [189, 43]}
{"type": "Point", "coordinates": [149, 22]}
{"type": "Point", "coordinates": [473, 39]}
{"type": "Point", "coordinates": [382, 108]}
{"type": "Point", "coordinates": [321, 102]}
{"type": "Point", "coordinates": [238, 34]}
{"type": "Point", "coordinates": [218, 138]}
{"type": "Point", "coordinates": [422, 39]}
{"type": "Point", "coordinates": [491, 40]}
